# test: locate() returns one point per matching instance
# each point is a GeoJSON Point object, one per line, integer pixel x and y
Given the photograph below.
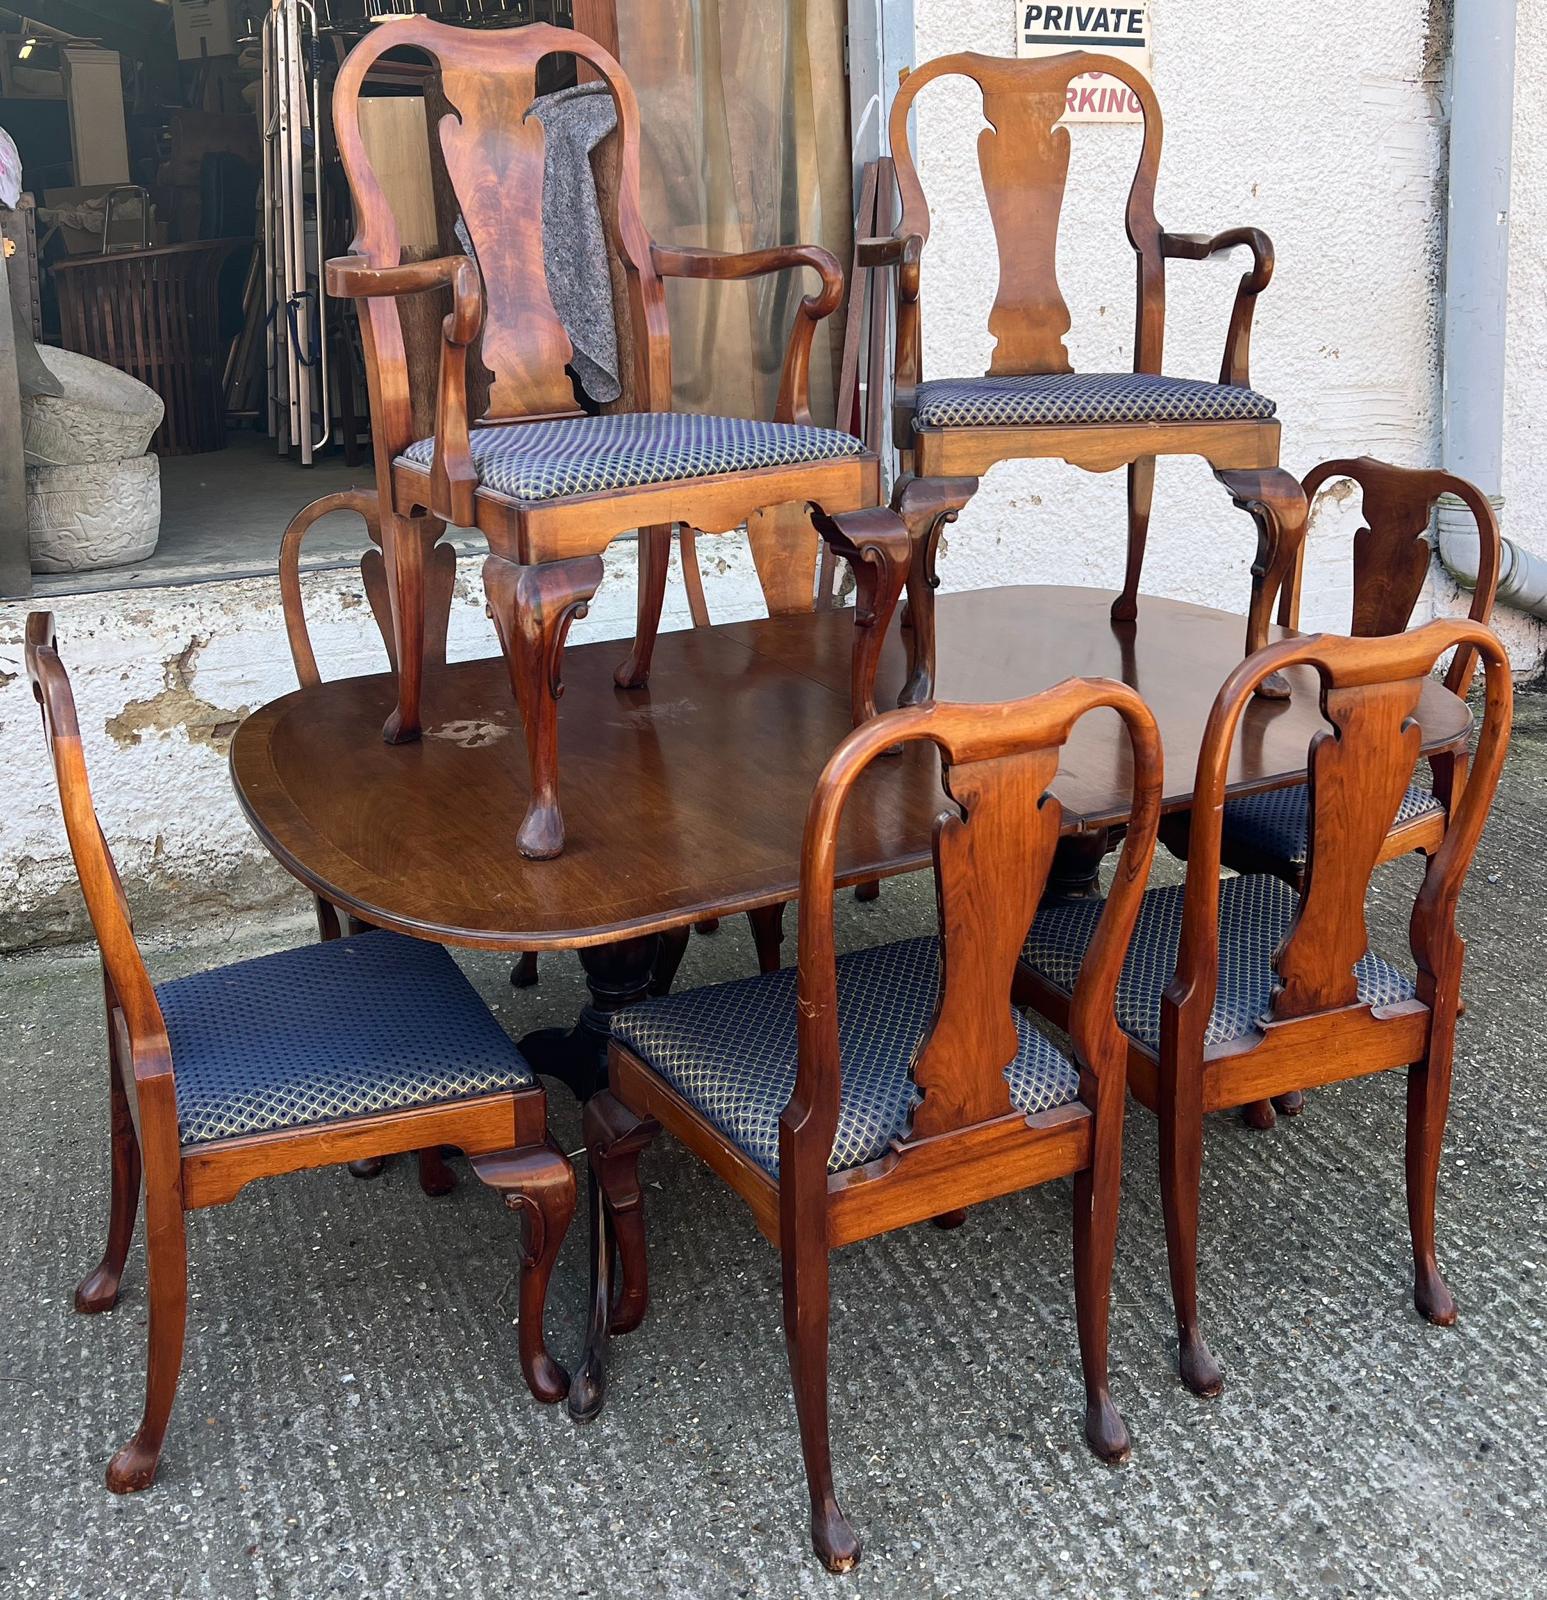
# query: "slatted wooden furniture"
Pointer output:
{"type": "Point", "coordinates": [888, 1086]}
{"type": "Point", "coordinates": [1030, 403]}
{"type": "Point", "coordinates": [354, 1047]}
{"type": "Point", "coordinates": [549, 486]}
{"type": "Point", "coordinates": [685, 812]}
{"type": "Point", "coordinates": [152, 313]}
{"type": "Point", "coordinates": [1238, 990]}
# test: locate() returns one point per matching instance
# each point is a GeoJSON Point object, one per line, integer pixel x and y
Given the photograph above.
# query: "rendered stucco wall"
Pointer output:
{"type": "Point", "coordinates": [1323, 126]}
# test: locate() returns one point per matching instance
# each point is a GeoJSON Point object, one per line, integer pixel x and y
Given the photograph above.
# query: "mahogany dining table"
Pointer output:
{"type": "Point", "coordinates": [686, 801]}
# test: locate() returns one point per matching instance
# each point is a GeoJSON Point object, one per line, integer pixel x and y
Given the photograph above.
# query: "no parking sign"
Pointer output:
{"type": "Point", "coordinates": [1049, 29]}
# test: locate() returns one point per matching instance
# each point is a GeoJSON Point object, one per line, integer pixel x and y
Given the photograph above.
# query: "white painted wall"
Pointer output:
{"type": "Point", "coordinates": [1321, 125]}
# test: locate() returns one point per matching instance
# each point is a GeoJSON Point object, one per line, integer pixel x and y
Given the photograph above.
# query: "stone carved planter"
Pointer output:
{"type": "Point", "coordinates": [93, 495]}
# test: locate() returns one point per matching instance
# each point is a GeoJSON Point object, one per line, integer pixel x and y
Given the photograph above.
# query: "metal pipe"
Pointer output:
{"type": "Point", "coordinates": [1482, 102]}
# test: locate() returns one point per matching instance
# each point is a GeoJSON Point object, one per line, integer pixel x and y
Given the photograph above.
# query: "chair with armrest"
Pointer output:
{"type": "Point", "coordinates": [1030, 403]}
{"type": "Point", "coordinates": [549, 485]}
{"type": "Point", "coordinates": [1241, 989]}
{"type": "Point", "coordinates": [354, 1047]}
{"type": "Point", "coordinates": [855, 1095]}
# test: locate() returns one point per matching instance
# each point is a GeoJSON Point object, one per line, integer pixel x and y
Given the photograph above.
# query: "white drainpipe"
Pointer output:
{"type": "Point", "coordinates": [1482, 96]}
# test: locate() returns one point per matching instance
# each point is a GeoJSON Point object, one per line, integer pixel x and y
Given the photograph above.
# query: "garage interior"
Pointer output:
{"type": "Point", "coordinates": [179, 192]}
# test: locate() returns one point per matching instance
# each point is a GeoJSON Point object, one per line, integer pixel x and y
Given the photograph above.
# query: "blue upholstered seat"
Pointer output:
{"type": "Point", "coordinates": [535, 461]}
{"type": "Point", "coordinates": [328, 1031]}
{"type": "Point", "coordinates": [1278, 823]}
{"type": "Point", "coordinates": [1254, 915]}
{"type": "Point", "coordinates": [1053, 399]}
{"type": "Point", "coordinates": [730, 1051]}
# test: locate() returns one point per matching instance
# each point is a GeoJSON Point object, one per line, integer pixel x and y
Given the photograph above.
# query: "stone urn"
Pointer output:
{"type": "Point", "coordinates": [93, 495]}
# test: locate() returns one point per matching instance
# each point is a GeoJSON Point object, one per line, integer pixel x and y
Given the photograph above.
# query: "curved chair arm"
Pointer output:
{"type": "Point", "coordinates": [794, 403]}
{"type": "Point", "coordinates": [1236, 366]}
{"type": "Point", "coordinates": [453, 479]}
{"type": "Point", "coordinates": [367, 504]}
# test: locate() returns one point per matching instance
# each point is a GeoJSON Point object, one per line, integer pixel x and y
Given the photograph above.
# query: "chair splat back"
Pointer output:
{"type": "Point", "coordinates": [129, 983]}
{"type": "Point", "coordinates": [1392, 555]}
{"type": "Point", "coordinates": [1358, 770]}
{"type": "Point", "coordinates": [992, 855]}
{"type": "Point", "coordinates": [493, 153]}
{"type": "Point", "coordinates": [1024, 160]}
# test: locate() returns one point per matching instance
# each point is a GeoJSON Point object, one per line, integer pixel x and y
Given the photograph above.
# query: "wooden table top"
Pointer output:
{"type": "Point", "coordinates": [687, 800]}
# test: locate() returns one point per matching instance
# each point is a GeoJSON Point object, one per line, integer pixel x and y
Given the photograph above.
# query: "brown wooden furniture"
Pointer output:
{"type": "Point", "coordinates": [894, 1128]}
{"type": "Point", "coordinates": [211, 1087]}
{"type": "Point", "coordinates": [549, 523]}
{"type": "Point", "coordinates": [1391, 565]}
{"type": "Point", "coordinates": [1270, 832]}
{"type": "Point", "coordinates": [152, 314]}
{"type": "Point", "coordinates": [1274, 991]}
{"type": "Point", "coordinates": [1030, 403]}
{"type": "Point", "coordinates": [687, 803]}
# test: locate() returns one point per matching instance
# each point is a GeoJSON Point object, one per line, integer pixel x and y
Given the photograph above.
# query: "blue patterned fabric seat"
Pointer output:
{"type": "Point", "coordinates": [1278, 823]}
{"type": "Point", "coordinates": [536, 461]}
{"type": "Point", "coordinates": [730, 1051]}
{"type": "Point", "coordinates": [1254, 915]}
{"type": "Point", "coordinates": [340, 1029]}
{"type": "Point", "coordinates": [1054, 399]}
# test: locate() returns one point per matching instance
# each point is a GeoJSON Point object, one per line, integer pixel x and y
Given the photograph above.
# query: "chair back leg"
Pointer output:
{"type": "Point", "coordinates": [1141, 496]}
{"type": "Point", "coordinates": [1095, 1245]}
{"type": "Point", "coordinates": [98, 1290]}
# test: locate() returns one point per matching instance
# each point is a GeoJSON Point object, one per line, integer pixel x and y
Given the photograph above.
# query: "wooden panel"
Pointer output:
{"type": "Point", "coordinates": [397, 143]}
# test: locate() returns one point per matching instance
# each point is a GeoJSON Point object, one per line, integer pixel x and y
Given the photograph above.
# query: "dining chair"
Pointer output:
{"type": "Point", "coordinates": [1269, 832]}
{"type": "Point", "coordinates": [1031, 403]}
{"type": "Point", "coordinates": [1392, 558]}
{"type": "Point", "coordinates": [362, 1046]}
{"type": "Point", "coordinates": [496, 438]}
{"type": "Point", "coordinates": [1240, 989]}
{"type": "Point", "coordinates": [852, 1096]}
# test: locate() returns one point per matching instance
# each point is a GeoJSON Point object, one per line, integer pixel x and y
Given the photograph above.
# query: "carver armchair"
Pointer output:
{"type": "Point", "coordinates": [1030, 403]}
{"type": "Point", "coordinates": [1241, 989]}
{"type": "Point", "coordinates": [352, 1048]}
{"type": "Point", "coordinates": [509, 449]}
{"type": "Point", "coordinates": [893, 1085]}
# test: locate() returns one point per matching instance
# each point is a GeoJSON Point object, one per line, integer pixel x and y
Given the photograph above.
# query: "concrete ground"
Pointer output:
{"type": "Point", "coordinates": [351, 1421]}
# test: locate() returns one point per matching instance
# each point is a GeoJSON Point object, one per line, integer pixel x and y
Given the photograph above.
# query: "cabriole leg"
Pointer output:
{"type": "Point", "coordinates": [533, 608]}
{"type": "Point", "coordinates": [1277, 504]}
{"type": "Point", "coordinates": [806, 1340]}
{"type": "Point", "coordinates": [1428, 1100]}
{"type": "Point", "coordinates": [925, 505]}
{"type": "Point", "coordinates": [1181, 1174]}
{"type": "Point", "coordinates": [166, 1253]}
{"type": "Point", "coordinates": [539, 1184]}
{"type": "Point", "coordinates": [875, 543]}
{"type": "Point", "coordinates": [1095, 1246]}
{"type": "Point", "coordinates": [768, 935]}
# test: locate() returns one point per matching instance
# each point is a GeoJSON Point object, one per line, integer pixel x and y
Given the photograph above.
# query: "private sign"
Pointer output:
{"type": "Point", "coordinates": [1122, 31]}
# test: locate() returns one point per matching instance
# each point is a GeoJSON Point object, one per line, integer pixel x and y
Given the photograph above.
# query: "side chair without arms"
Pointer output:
{"type": "Point", "coordinates": [1269, 832]}
{"type": "Point", "coordinates": [549, 486]}
{"type": "Point", "coordinates": [852, 1096]}
{"type": "Point", "coordinates": [354, 1047]}
{"type": "Point", "coordinates": [1238, 990]}
{"type": "Point", "coordinates": [1031, 404]}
